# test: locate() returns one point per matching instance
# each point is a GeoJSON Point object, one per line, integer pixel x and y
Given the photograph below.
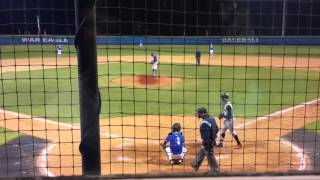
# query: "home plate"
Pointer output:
{"type": "Point", "coordinates": [222, 156]}
{"type": "Point", "coordinates": [124, 159]}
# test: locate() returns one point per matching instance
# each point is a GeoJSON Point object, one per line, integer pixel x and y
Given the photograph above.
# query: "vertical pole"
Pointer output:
{"type": "Point", "coordinates": [284, 11]}
{"type": "Point", "coordinates": [25, 18]}
{"type": "Point", "coordinates": [38, 24]}
{"type": "Point", "coordinates": [85, 42]}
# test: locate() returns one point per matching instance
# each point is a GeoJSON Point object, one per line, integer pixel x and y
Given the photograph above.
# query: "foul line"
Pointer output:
{"type": "Point", "coordinates": [25, 116]}
{"type": "Point", "coordinates": [300, 155]}
{"type": "Point", "coordinates": [48, 121]}
{"type": "Point", "coordinates": [42, 161]}
{"type": "Point", "coordinates": [280, 112]}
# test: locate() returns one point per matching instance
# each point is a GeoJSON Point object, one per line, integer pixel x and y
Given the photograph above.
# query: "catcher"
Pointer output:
{"type": "Point", "coordinates": [173, 145]}
{"type": "Point", "coordinates": [228, 123]}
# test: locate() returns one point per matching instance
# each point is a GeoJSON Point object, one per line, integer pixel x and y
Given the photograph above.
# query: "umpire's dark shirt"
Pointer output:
{"type": "Point", "coordinates": [208, 131]}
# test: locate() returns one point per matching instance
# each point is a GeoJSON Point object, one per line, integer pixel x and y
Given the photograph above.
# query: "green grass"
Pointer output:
{"type": "Point", "coordinates": [32, 51]}
{"type": "Point", "coordinates": [255, 91]}
{"type": "Point", "coordinates": [7, 135]}
{"type": "Point", "coordinates": [313, 127]}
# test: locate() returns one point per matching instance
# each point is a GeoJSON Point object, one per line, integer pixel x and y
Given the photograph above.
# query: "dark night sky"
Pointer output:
{"type": "Point", "coordinates": [165, 17]}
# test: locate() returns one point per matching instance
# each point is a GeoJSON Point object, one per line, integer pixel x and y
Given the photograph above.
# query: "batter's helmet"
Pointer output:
{"type": "Point", "coordinates": [176, 127]}
{"type": "Point", "coordinates": [225, 96]}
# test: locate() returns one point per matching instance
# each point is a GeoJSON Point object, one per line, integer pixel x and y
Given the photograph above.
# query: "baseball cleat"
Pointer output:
{"type": "Point", "coordinates": [213, 172]}
{"type": "Point", "coordinates": [219, 145]}
{"type": "Point", "coordinates": [195, 168]}
{"type": "Point", "coordinates": [239, 146]}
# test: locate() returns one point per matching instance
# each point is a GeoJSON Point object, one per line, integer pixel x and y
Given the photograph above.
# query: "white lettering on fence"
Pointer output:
{"type": "Point", "coordinates": [31, 40]}
{"type": "Point", "coordinates": [240, 40]}
{"type": "Point", "coordinates": [44, 40]}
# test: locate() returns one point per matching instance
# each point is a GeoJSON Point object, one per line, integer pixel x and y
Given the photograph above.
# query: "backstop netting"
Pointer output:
{"type": "Point", "coordinates": [158, 61]}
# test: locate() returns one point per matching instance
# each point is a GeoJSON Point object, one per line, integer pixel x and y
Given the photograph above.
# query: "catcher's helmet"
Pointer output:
{"type": "Point", "coordinates": [225, 96]}
{"type": "Point", "coordinates": [176, 127]}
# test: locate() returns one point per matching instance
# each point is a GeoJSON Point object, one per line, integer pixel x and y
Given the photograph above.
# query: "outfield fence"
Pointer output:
{"type": "Point", "coordinates": [165, 40]}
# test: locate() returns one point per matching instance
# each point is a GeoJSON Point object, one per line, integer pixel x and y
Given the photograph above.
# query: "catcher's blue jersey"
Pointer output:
{"type": "Point", "coordinates": [176, 141]}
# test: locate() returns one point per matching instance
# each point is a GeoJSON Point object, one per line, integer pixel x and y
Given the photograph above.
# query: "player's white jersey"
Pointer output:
{"type": "Point", "coordinates": [228, 112]}
{"type": "Point", "coordinates": [59, 50]}
{"type": "Point", "coordinates": [211, 50]}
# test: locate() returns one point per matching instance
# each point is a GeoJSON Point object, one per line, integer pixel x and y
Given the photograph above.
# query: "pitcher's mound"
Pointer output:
{"type": "Point", "coordinates": [146, 81]}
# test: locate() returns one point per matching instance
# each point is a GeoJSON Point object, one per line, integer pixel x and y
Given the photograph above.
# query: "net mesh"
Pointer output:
{"type": "Point", "coordinates": [264, 53]}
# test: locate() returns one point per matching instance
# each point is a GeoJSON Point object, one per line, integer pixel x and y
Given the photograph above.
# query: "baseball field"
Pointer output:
{"type": "Point", "coordinates": [274, 89]}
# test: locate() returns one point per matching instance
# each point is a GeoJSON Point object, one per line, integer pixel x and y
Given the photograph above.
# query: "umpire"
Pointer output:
{"type": "Point", "coordinates": [208, 132]}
